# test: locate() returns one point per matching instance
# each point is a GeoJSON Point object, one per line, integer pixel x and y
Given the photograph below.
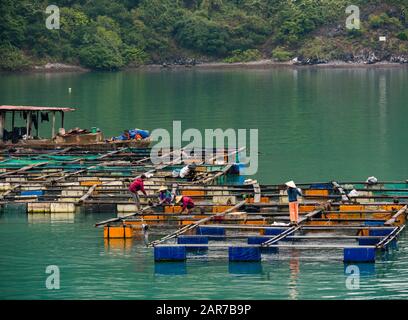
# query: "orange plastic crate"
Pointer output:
{"type": "Point", "coordinates": [193, 193]}
{"type": "Point", "coordinates": [118, 232]}
{"type": "Point", "coordinates": [316, 192]}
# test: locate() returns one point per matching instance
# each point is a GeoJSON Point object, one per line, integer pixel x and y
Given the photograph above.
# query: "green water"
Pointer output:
{"type": "Point", "coordinates": [343, 124]}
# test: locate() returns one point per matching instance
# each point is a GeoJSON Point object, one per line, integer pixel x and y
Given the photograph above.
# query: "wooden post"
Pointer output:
{"type": "Point", "coordinates": [12, 120]}
{"type": "Point", "coordinates": [28, 124]}
{"type": "Point", "coordinates": [53, 125]}
{"type": "Point", "coordinates": [38, 124]}
{"type": "Point", "coordinates": [62, 119]}
{"type": "Point", "coordinates": [2, 117]}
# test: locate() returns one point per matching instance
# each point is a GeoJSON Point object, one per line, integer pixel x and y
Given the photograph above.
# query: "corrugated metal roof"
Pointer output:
{"type": "Point", "coordinates": [29, 108]}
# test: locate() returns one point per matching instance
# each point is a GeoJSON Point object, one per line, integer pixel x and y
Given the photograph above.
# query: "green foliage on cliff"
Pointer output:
{"type": "Point", "coordinates": [244, 56]}
{"type": "Point", "coordinates": [111, 34]}
{"type": "Point", "coordinates": [12, 59]}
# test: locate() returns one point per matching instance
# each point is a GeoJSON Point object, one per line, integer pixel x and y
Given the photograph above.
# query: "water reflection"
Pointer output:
{"type": "Point", "coordinates": [170, 268]}
{"type": "Point", "coordinates": [118, 246]}
{"type": "Point", "coordinates": [364, 269]}
{"type": "Point", "coordinates": [245, 268]}
{"type": "Point", "coordinates": [39, 218]}
{"type": "Point", "coordinates": [294, 268]}
{"type": "Point", "coordinates": [63, 217]}
{"type": "Point", "coordinates": [51, 217]}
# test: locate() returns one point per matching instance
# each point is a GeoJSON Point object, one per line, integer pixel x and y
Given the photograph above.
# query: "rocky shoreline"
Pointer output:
{"type": "Point", "coordinates": [58, 67]}
{"type": "Point", "coordinates": [370, 60]}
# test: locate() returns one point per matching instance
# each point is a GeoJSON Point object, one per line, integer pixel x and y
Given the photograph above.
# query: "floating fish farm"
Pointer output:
{"type": "Point", "coordinates": [245, 220]}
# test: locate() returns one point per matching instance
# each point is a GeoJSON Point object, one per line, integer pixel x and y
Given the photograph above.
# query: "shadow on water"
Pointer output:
{"type": "Point", "coordinates": [170, 268]}
{"type": "Point", "coordinates": [243, 268]}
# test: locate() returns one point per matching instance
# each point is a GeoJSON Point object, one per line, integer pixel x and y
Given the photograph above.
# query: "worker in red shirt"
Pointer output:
{"type": "Point", "coordinates": [186, 202]}
{"type": "Point", "coordinates": [136, 186]}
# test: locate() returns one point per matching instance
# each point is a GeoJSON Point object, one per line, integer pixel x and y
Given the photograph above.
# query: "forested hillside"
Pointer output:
{"type": "Point", "coordinates": [111, 34]}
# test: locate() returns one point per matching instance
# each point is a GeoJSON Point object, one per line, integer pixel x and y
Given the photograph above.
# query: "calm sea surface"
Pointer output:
{"type": "Point", "coordinates": [314, 125]}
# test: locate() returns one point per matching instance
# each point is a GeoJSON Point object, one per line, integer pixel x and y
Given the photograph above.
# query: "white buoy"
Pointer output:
{"type": "Point", "coordinates": [69, 90]}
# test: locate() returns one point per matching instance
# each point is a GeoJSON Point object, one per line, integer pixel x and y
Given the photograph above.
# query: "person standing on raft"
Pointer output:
{"type": "Point", "coordinates": [136, 186]}
{"type": "Point", "coordinates": [187, 203]}
{"type": "Point", "coordinates": [293, 193]}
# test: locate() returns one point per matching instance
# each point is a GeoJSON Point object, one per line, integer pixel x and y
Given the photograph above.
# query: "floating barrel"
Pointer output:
{"type": "Point", "coordinates": [216, 232]}
{"type": "Point", "coordinates": [374, 223]}
{"type": "Point", "coordinates": [359, 254]}
{"type": "Point", "coordinates": [320, 186]}
{"type": "Point", "coordinates": [380, 232]}
{"type": "Point", "coordinates": [367, 241]}
{"type": "Point", "coordinates": [170, 253]}
{"type": "Point", "coordinates": [273, 232]}
{"type": "Point", "coordinates": [193, 240]}
{"type": "Point", "coordinates": [260, 240]}
{"type": "Point", "coordinates": [111, 232]}
{"type": "Point", "coordinates": [244, 254]}
{"type": "Point", "coordinates": [32, 192]}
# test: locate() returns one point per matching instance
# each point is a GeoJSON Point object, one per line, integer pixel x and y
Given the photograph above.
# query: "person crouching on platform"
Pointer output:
{"type": "Point", "coordinates": [136, 186]}
{"type": "Point", "coordinates": [293, 193]}
{"type": "Point", "coordinates": [187, 203]}
{"type": "Point", "coordinates": [165, 196]}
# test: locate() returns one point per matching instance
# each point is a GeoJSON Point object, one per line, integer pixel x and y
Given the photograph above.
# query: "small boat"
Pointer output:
{"type": "Point", "coordinates": [28, 136]}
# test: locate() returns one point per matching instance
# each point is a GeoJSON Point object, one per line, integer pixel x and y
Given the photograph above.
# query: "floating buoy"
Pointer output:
{"type": "Point", "coordinates": [69, 90]}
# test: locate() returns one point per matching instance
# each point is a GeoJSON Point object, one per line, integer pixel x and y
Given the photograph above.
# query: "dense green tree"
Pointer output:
{"type": "Point", "coordinates": [201, 34]}
{"type": "Point", "coordinates": [110, 34]}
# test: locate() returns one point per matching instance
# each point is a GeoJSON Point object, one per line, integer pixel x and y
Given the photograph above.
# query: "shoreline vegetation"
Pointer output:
{"type": "Point", "coordinates": [110, 35]}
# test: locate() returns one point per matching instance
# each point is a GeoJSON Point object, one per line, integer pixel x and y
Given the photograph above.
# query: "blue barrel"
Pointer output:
{"type": "Point", "coordinates": [380, 232]}
{"type": "Point", "coordinates": [259, 240]}
{"type": "Point", "coordinates": [32, 192]}
{"type": "Point", "coordinates": [366, 241]}
{"type": "Point", "coordinates": [193, 240]}
{"type": "Point", "coordinates": [244, 254]}
{"type": "Point", "coordinates": [359, 255]}
{"type": "Point", "coordinates": [170, 253]}
{"type": "Point", "coordinates": [273, 232]}
{"type": "Point", "coordinates": [215, 233]}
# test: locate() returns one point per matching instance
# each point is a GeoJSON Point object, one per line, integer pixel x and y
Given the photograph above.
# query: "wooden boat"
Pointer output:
{"type": "Point", "coordinates": [28, 137]}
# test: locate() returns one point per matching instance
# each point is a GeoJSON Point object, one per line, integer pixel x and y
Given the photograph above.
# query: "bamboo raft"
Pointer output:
{"type": "Point", "coordinates": [70, 180]}
{"type": "Point", "coordinates": [361, 227]}
{"type": "Point", "coordinates": [99, 182]}
{"type": "Point", "coordinates": [360, 239]}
